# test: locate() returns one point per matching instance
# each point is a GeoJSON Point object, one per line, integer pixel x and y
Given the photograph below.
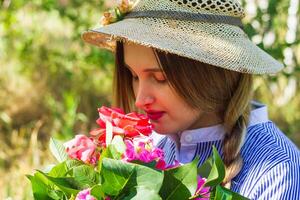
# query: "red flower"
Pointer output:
{"type": "Point", "coordinates": [127, 125]}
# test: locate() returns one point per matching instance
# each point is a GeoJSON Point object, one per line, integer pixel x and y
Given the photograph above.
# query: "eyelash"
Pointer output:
{"type": "Point", "coordinates": [160, 81]}
{"type": "Point", "coordinates": [136, 78]}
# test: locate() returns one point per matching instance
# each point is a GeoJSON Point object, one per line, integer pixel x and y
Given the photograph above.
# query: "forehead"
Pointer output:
{"type": "Point", "coordinates": [139, 55]}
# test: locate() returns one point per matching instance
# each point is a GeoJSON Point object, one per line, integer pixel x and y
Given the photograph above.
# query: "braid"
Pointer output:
{"type": "Point", "coordinates": [235, 122]}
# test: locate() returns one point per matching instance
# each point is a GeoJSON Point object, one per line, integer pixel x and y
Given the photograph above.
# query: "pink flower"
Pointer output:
{"type": "Point", "coordinates": [157, 153]}
{"type": "Point", "coordinates": [130, 153]}
{"type": "Point", "coordinates": [82, 148]}
{"type": "Point", "coordinates": [202, 191]}
{"type": "Point", "coordinates": [127, 125]}
{"type": "Point", "coordinates": [85, 195]}
{"type": "Point", "coordinates": [144, 155]}
{"type": "Point", "coordinates": [141, 148]}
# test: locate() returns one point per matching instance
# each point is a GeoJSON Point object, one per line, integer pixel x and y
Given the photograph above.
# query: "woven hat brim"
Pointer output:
{"type": "Point", "coordinates": [224, 46]}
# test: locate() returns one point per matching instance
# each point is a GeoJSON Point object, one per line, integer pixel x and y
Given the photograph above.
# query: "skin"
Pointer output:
{"type": "Point", "coordinates": [154, 94]}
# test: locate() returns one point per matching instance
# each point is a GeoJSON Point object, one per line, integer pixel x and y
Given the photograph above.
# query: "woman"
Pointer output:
{"type": "Point", "coordinates": [189, 66]}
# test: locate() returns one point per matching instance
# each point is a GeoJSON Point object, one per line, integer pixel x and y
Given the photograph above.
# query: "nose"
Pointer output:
{"type": "Point", "coordinates": [144, 97]}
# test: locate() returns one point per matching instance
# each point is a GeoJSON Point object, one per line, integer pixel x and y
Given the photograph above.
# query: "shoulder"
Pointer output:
{"type": "Point", "coordinates": [266, 143]}
{"type": "Point", "coordinates": [271, 167]}
{"type": "Point", "coordinates": [282, 182]}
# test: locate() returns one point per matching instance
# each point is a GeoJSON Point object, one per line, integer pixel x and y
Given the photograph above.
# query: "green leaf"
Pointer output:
{"type": "Point", "coordinates": [64, 168]}
{"type": "Point", "coordinates": [149, 164]}
{"type": "Point", "coordinates": [86, 176]}
{"type": "Point", "coordinates": [44, 189]}
{"type": "Point", "coordinates": [39, 188]}
{"type": "Point", "coordinates": [97, 192]}
{"type": "Point", "coordinates": [57, 195]}
{"type": "Point", "coordinates": [73, 163]}
{"type": "Point", "coordinates": [181, 182]}
{"type": "Point", "coordinates": [217, 172]}
{"type": "Point", "coordinates": [205, 168]}
{"type": "Point", "coordinates": [141, 192]}
{"type": "Point", "coordinates": [106, 153]}
{"type": "Point", "coordinates": [59, 170]}
{"type": "Point", "coordinates": [223, 193]}
{"type": "Point", "coordinates": [67, 184]}
{"type": "Point", "coordinates": [58, 150]}
{"type": "Point", "coordinates": [115, 175]}
{"type": "Point", "coordinates": [121, 177]}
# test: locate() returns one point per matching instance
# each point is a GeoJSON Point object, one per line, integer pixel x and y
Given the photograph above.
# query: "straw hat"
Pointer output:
{"type": "Point", "coordinates": [209, 31]}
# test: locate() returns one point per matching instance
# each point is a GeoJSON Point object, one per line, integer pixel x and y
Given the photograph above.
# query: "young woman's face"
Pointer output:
{"type": "Point", "coordinates": [167, 111]}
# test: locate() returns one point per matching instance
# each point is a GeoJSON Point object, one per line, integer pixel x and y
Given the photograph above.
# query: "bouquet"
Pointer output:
{"type": "Point", "coordinates": [118, 160]}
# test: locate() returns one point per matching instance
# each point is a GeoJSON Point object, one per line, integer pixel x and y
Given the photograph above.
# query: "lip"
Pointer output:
{"type": "Point", "coordinates": [154, 115]}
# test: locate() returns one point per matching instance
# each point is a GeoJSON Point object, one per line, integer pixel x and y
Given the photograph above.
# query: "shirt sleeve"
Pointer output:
{"type": "Point", "coordinates": [282, 182]}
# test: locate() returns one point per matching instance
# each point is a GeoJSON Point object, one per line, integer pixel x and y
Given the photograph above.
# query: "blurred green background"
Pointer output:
{"type": "Point", "coordinates": [51, 83]}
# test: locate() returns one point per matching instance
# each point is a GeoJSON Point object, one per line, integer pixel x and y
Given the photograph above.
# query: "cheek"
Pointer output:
{"type": "Point", "coordinates": [180, 111]}
{"type": "Point", "coordinates": [175, 103]}
{"type": "Point", "coordinates": [135, 87]}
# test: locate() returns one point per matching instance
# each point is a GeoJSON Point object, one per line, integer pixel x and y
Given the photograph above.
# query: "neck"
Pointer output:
{"type": "Point", "coordinates": [206, 120]}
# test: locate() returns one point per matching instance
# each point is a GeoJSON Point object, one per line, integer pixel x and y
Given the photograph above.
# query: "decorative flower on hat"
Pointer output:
{"type": "Point", "coordinates": [117, 13]}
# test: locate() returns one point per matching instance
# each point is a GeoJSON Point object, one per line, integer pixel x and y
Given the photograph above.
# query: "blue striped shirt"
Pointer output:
{"type": "Point", "coordinates": [271, 168]}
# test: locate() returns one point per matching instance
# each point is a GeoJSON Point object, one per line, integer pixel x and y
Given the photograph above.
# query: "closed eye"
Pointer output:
{"type": "Point", "coordinates": [160, 78]}
{"type": "Point", "coordinates": [156, 73]}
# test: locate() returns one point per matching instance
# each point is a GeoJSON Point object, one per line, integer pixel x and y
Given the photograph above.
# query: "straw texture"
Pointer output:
{"type": "Point", "coordinates": [218, 44]}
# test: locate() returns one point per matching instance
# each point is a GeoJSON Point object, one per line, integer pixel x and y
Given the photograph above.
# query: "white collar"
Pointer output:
{"type": "Point", "coordinates": [259, 114]}
{"type": "Point", "coordinates": [205, 134]}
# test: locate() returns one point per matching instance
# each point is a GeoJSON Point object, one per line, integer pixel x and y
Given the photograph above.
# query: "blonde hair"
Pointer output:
{"type": "Point", "coordinates": [202, 86]}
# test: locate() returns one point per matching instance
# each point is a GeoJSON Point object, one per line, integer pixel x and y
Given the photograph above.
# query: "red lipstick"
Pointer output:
{"type": "Point", "coordinates": [155, 115]}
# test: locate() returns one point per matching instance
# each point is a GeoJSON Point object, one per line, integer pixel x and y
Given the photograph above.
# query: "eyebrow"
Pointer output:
{"type": "Point", "coordinates": [145, 70]}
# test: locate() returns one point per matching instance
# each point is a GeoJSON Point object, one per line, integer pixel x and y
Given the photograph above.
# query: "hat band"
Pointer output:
{"type": "Point", "coordinates": [179, 15]}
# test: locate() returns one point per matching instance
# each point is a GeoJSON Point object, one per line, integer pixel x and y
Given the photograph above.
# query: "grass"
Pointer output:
{"type": "Point", "coordinates": [22, 155]}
